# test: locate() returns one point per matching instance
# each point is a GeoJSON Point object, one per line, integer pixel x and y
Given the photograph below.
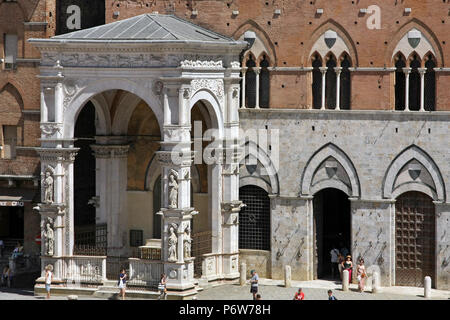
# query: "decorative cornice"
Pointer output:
{"type": "Point", "coordinates": [110, 151]}
{"type": "Point", "coordinates": [57, 155]}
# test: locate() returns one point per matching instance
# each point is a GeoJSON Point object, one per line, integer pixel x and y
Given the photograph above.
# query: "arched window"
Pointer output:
{"type": "Point", "coordinates": [317, 82]}
{"type": "Point", "coordinates": [400, 80]}
{"type": "Point", "coordinates": [254, 219]}
{"type": "Point", "coordinates": [345, 85]}
{"type": "Point", "coordinates": [250, 83]}
{"type": "Point", "coordinates": [157, 208]}
{"type": "Point", "coordinates": [331, 83]}
{"type": "Point", "coordinates": [264, 86]}
{"type": "Point", "coordinates": [430, 84]}
{"type": "Point", "coordinates": [414, 84]}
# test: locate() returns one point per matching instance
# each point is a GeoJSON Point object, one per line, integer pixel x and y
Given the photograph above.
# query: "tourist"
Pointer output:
{"type": "Point", "coordinates": [6, 276]}
{"type": "Point", "coordinates": [122, 283]}
{"type": "Point", "coordinates": [340, 264]}
{"type": "Point", "coordinates": [334, 253]}
{"type": "Point", "coordinates": [254, 283]}
{"type": "Point", "coordinates": [344, 251]}
{"type": "Point", "coordinates": [361, 275]}
{"type": "Point", "coordinates": [299, 295]}
{"type": "Point", "coordinates": [348, 265]}
{"type": "Point", "coordinates": [330, 295]}
{"type": "Point", "coordinates": [48, 279]}
{"type": "Point", "coordinates": [162, 287]}
{"type": "Point", "coordinates": [17, 251]}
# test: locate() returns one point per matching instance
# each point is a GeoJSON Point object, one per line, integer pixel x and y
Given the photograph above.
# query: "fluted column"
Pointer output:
{"type": "Point", "coordinates": [407, 72]}
{"type": "Point", "coordinates": [338, 71]}
{"type": "Point", "coordinates": [422, 72]}
{"type": "Point", "coordinates": [323, 70]}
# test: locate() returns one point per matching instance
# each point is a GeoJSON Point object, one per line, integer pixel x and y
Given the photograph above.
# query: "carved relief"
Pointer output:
{"type": "Point", "coordinates": [172, 243]}
{"type": "Point", "coordinates": [48, 187]}
{"type": "Point", "coordinates": [173, 190]}
{"type": "Point", "coordinates": [187, 241]}
{"type": "Point", "coordinates": [214, 85]}
{"type": "Point", "coordinates": [198, 64]}
{"type": "Point", "coordinates": [48, 236]}
{"type": "Point", "coordinates": [49, 129]}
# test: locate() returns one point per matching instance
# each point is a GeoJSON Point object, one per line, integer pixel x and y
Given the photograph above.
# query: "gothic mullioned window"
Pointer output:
{"type": "Point", "coordinates": [256, 82]}
{"type": "Point", "coordinates": [331, 80]}
{"type": "Point", "coordinates": [250, 83]}
{"type": "Point", "coordinates": [264, 83]}
{"type": "Point", "coordinates": [415, 79]}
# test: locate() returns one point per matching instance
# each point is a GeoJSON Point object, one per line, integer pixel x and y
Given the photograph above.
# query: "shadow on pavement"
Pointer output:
{"type": "Point", "coordinates": [24, 292]}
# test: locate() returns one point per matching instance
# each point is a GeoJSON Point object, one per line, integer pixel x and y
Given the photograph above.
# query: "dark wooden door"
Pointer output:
{"type": "Point", "coordinates": [415, 239]}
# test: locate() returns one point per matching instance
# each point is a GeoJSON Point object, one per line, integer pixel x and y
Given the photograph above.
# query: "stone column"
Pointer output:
{"type": "Point", "coordinates": [56, 204]}
{"type": "Point", "coordinates": [112, 161]}
{"type": "Point", "coordinates": [407, 72]}
{"type": "Point", "coordinates": [345, 279]}
{"type": "Point", "coordinates": [338, 71]}
{"type": "Point", "coordinates": [257, 71]}
{"type": "Point", "coordinates": [244, 72]}
{"type": "Point", "coordinates": [324, 83]}
{"type": "Point", "coordinates": [422, 72]}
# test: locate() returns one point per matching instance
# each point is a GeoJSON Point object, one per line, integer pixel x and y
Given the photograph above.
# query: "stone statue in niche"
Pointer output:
{"type": "Point", "coordinates": [48, 185]}
{"type": "Point", "coordinates": [172, 244]}
{"type": "Point", "coordinates": [49, 238]}
{"type": "Point", "coordinates": [173, 191]}
{"type": "Point", "coordinates": [187, 240]}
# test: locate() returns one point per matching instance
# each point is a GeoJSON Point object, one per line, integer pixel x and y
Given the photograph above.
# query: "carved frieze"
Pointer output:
{"type": "Point", "coordinates": [49, 129]}
{"type": "Point", "coordinates": [199, 64]}
{"type": "Point", "coordinates": [213, 85]}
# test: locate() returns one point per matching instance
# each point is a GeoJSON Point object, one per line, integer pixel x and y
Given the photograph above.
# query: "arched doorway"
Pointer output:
{"type": "Point", "coordinates": [415, 239]}
{"type": "Point", "coordinates": [332, 227]}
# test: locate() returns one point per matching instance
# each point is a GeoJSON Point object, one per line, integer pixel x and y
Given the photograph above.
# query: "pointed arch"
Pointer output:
{"type": "Point", "coordinates": [414, 23]}
{"type": "Point", "coordinates": [263, 36]}
{"type": "Point", "coordinates": [351, 187]}
{"type": "Point", "coordinates": [12, 90]}
{"type": "Point", "coordinates": [24, 100]}
{"type": "Point", "coordinates": [330, 24]}
{"type": "Point", "coordinates": [413, 152]}
{"type": "Point", "coordinates": [269, 180]}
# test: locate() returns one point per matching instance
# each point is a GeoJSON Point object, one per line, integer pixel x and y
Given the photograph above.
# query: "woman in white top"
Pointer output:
{"type": "Point", "coordinates": [361, 274]}
{"type": "Point", "coordinates": [48, 279]}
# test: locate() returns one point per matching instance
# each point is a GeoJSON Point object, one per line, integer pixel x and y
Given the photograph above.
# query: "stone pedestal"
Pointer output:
{"type": "Point", "coordinates": [427, 287]}
{"type": "Point", "coordinates": [243, 274]}
{"type": "Point", "coordinates": [345, 283]}
{"type": "Point", "coordinates": [178, 264]}
{"type": "Point", "coordinates": [287, 277]}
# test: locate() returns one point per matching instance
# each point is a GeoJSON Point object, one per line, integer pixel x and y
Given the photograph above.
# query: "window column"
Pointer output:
{"type": "Point", "coordinates": [407, 72]}
{"type": "Point", "coordinates": [324, 81]}
{"type": "Point", "coordinates": [338, 71]}
{"type": "Point", "coordinates": [257, 71]}
{"type": "Point", "coordinates": [244, 71]}
{"type": "Point", "coordinates": [422, 72]}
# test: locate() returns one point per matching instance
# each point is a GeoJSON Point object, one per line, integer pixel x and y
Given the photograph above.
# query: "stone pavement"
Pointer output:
{"type": "Point", "coordinates": [271, 290]}
{"type": "Point", "coordinates": [315, 290]}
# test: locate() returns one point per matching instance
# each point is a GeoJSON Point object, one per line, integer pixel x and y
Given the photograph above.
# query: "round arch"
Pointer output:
{"type": "Point", "coordinates": [95, 87]}
{"type": "Point", "coordinates": [213, 107]}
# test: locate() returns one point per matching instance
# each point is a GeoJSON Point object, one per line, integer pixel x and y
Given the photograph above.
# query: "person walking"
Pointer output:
{"type": "Point", "coordinates": [348, 265]}
{"type": "Point", "coordinates": [254, 283]}
{"type": "Point", "coordinates": [162, 287]}
{"type": "Point", "coordinates": [340, 264]}
{"type": "Point", "coordinates": [299, 295]}
{"type": "Point", "coordinates": [334, 253]}
{"type": "Point", "coordinates": [361, 275]}
{"type": "Point", "coordinates": [6, 276]}
{"type": "Point", "coordinates": [48, 279]}
{"type": "Point", "coordinates": [122, 283]}
{"type": "Point", "coordinates": [2, 245]}
{"type": "Point", "coordinates": [330, 295]}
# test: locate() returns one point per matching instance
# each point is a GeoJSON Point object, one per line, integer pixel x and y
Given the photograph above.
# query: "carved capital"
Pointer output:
{"type": "Point", "coordinates": [54, 155]}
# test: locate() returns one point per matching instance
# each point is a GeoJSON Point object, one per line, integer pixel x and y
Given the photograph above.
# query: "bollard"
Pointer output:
{"type": "Point", "coordinates": [345, 283]}
{"type": "Point", "coordinates": [427, 287]}
{"type": "Point", "coordinates": [376, 282]}
{"type": "Point", "coordinates": [72, 297]}
{"type": "Point", "coordinates": [287, 277]}
{"type": "Point", "coordinates": [243, 277]}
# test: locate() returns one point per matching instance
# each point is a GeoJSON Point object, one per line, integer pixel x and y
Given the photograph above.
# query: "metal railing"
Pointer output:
{"type": "Point", "coordinates": [144, 274]}
{"type": "Point", "coordinates": [88, 250]}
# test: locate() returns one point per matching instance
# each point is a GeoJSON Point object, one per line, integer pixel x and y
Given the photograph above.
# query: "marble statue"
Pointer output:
{"type": "Point", "coordinates": [172, 244]}
{"type": "Point", "coordinates": [48, 185]}
{"type": "Point", "coordinates": [173, 191]}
